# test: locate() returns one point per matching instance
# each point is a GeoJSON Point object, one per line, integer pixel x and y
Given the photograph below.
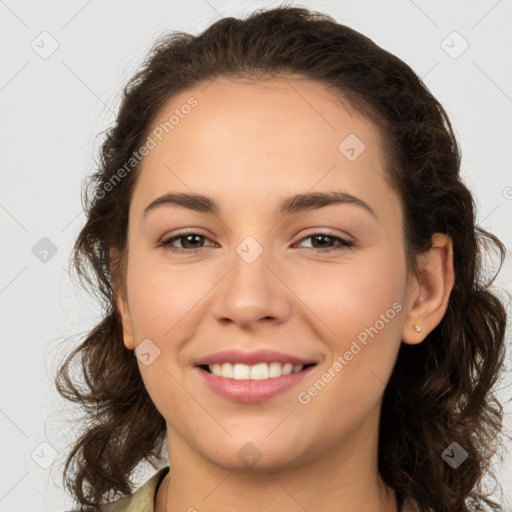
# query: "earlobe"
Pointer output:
{"type": "Point", "coordinates": [120, 299]}
{"type": "Point", "coordinates": [430, 290]}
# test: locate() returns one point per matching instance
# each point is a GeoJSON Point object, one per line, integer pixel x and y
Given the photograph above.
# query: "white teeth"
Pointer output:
{"type": "Point", "coordinates": [241, 372]}
{"type": "Point", "coordinates": [287, 368]}
{"type": "Point", "coordinates": [274, 370]}
{"type": "Point", "coordinates": [260, 371]}
{"type": "Point", "coordinates": [226, 370]}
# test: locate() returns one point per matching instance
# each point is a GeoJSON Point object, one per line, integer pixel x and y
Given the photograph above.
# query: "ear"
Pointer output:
{"type": "Point", "coordinates": [430, 290]}
{"type": "Point", "coordinates": [119, 286]}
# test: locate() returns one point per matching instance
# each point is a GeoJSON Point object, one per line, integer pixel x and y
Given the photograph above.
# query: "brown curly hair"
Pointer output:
{"type": "Point", "coordinates": [440, 391]}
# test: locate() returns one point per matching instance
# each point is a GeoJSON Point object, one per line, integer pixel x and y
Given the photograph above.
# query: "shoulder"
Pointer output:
{"type": "Point", "coordinates": [142, 499]}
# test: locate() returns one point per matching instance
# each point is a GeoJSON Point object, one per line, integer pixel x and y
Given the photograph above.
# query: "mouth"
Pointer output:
{"type": "Point", "coordinates": [251, 384]}
{"type": "Point", "coordinates": [260, 371]}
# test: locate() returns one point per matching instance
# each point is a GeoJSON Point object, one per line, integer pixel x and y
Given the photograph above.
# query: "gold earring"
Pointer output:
{"type": "Point", "coordinates": [417, 328]}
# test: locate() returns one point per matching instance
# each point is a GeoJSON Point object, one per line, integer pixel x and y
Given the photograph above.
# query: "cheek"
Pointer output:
{"type": "Point", "coordinates": [359, 308]}
{"type": "Point", "coordinates": [160, 295]}
{"type": "Point", "coordinates": [352, 296]}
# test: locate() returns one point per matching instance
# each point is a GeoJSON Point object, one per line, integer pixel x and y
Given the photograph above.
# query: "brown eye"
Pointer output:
{"type": "Point", "coordinates": [190, 242]}
{"type": "Point", "coordinates": [322, 242]}
{"type": "Point", "coordinates": [194, 242]}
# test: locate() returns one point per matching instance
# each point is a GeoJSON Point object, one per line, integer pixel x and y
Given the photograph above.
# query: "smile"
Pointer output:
{"type": "Point", "coordinates": [251, 384]}
{"type": "Point", "coordinates": [260, 371]}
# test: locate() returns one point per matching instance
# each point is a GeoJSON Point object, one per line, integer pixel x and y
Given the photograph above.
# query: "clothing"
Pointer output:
{"type": "Point", "coordinates": [143, 500]}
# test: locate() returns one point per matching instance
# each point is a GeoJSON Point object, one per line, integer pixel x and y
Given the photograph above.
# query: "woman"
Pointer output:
{"type": "Point", "coordinates": [294, 302]}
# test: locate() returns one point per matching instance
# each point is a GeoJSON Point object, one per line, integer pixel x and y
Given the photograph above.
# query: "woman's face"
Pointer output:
{"type": "Point", "coordinates": [262, 278]}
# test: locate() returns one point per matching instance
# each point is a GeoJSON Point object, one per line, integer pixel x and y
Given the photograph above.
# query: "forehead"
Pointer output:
{"type": "Point", "coordinates": [244, 139]}
{"type": "Point", "coordinates": [293, 107]}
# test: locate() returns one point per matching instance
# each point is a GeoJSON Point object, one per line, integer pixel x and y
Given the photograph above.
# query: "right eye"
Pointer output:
{"type": "Point", "coordinates": [187, 239]}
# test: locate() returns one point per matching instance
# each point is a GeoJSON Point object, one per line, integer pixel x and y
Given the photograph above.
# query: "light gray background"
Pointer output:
{"type": "Point", "coordinates": [52, 109]}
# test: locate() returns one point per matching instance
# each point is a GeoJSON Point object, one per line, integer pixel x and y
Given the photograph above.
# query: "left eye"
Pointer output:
{"type": "Point", "coordinates": [342, 243]}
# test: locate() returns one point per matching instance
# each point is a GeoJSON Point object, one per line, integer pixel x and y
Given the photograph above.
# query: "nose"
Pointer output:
{"type": "Point", "coordinates": [253, 292]}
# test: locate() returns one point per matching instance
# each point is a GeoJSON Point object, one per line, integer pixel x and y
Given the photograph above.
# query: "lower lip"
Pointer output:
{"type": "Point", "coordinates": [252, 391]}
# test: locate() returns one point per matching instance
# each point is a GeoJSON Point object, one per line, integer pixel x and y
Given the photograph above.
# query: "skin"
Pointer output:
{"type": "Point", "coordinates": [249, 145]}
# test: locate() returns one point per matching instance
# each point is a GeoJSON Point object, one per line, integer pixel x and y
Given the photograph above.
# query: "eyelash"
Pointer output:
{"type": "Point", "coordinates": [344, 244]}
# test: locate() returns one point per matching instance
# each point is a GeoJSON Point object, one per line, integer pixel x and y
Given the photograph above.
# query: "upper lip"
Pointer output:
{"type": "Point", "coordinates": [251, 358]}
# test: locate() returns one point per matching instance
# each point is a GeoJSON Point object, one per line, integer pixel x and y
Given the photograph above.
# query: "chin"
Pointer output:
{"type": "Point", "coordinates": [258, 455]}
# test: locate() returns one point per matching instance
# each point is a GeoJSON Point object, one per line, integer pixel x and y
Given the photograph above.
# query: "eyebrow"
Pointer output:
{"type": "Point", "coordinates": [288, 206]}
